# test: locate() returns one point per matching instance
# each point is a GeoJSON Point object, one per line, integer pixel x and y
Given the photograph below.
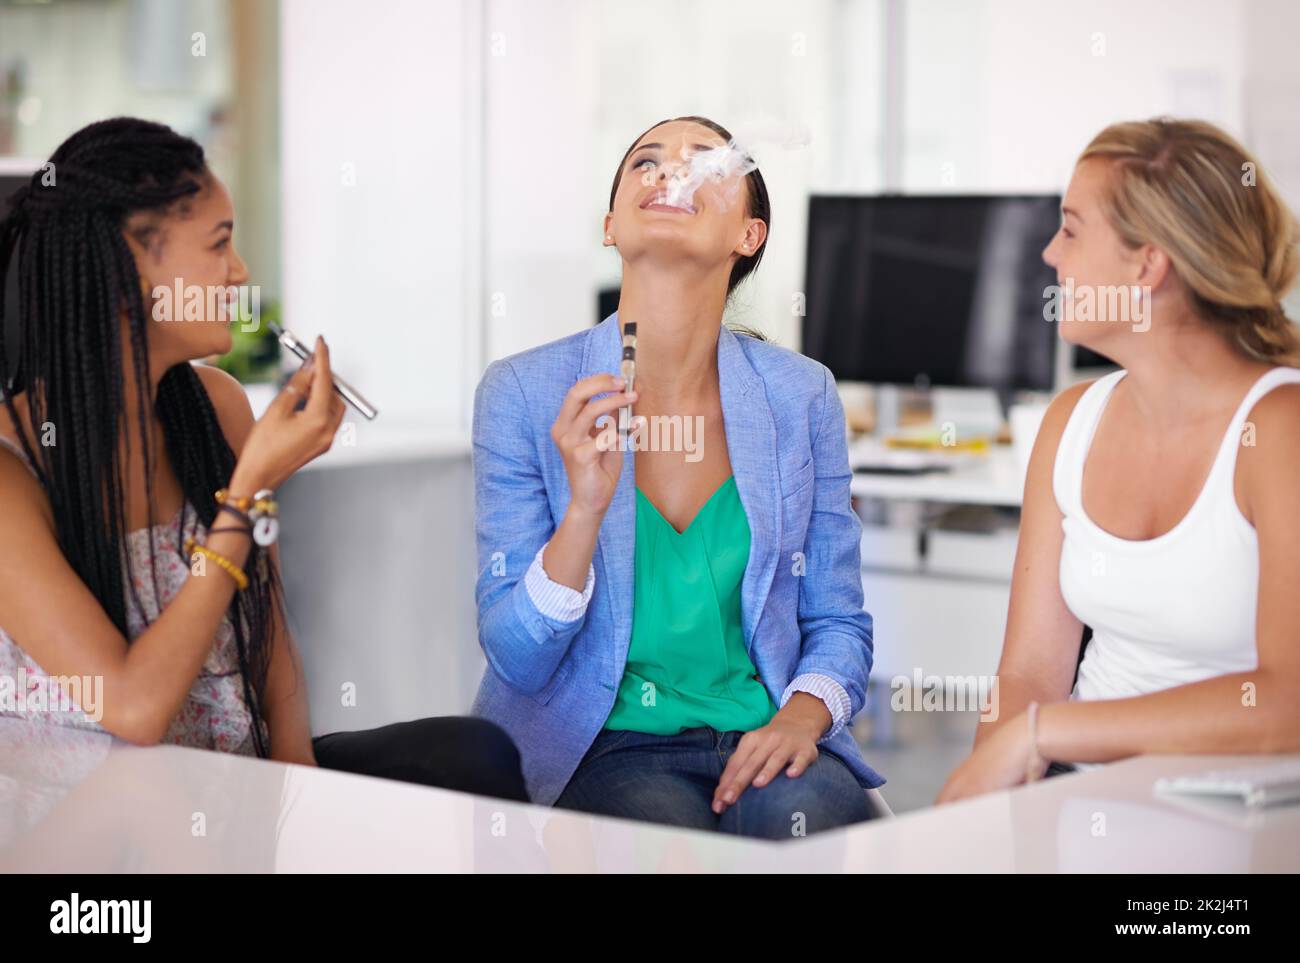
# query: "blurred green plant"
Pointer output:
{"type": "Point", "coordinates": [254, 356]}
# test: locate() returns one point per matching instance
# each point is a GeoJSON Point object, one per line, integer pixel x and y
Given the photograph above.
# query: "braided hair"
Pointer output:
{"type": "Point", "coordinates": [76, 280]}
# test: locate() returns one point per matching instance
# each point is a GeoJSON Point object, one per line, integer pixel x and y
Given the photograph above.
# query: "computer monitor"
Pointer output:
{"type": "Point", "coordinates": [1086, 359]}
{"type": "Point", "coordinates": [943, 290]}
{"type": "Point", "coordinates": [606, 303]}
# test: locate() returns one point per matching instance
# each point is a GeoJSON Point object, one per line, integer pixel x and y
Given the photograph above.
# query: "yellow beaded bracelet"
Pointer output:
{"type": "Point", "coordinates": [245, 503]}
{"type": "Point", "coordinates": [233, 570]}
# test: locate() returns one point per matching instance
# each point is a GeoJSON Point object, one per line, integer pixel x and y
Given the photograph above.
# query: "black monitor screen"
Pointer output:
{"type": "Point", "coordinates": [941, 290]}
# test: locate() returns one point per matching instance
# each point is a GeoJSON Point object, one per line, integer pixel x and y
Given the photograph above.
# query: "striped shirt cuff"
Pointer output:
{"type": "Point", "coordinates": [829, 691]}
{"type": "Point", "coordinates": [556, 601]}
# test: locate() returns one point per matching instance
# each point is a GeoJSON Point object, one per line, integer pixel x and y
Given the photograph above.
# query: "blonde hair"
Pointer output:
{"type": "Point", "coordinates": [1193, 191]}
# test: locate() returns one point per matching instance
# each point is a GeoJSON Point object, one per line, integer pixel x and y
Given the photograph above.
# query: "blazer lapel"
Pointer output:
{"type": "Point", "coordinates": [752, 447]}
{"type": "Point", "coordinates": [617, 538]}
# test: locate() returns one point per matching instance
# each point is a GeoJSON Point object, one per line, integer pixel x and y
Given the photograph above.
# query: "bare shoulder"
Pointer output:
{"type": "Point", "coordinates": [1269, 457]}
{"type": "Point", "coordinates": [1058, 414]}
{"type": "Point", "coordinates": [21, 497]}
{"type": "Point", "coordinates": [1279, 409]}
{"type": "Point", "coordinates": [13, 433]}
{"type": "Point", "coordinates": [230, 402]}
{"type": "Point", "coordinates": [8, 430]}
{"type": "Point", "coordinates": [1039, 489]}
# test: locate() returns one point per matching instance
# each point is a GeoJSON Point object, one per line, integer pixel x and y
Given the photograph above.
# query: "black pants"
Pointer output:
{"type": "Point", "coordinates": [453, 752]}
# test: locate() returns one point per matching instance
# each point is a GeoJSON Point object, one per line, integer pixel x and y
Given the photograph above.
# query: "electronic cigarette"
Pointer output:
{"type": "Point", "coordinates": [348, 393]}
{"type": "Point", "coordinates": [628, 371]}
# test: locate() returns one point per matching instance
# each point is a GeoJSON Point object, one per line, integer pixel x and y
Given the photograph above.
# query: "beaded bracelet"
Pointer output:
{"type": "Point", "coordinates": [230, 568]}
{"type": "Point", "coordinates": [260, 512]}
{"type": "Point", "coordinates": [261, 502]}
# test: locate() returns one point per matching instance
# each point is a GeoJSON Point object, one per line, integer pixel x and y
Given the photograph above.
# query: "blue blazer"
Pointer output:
{"type": "Point", "coordinates": [552, 684]}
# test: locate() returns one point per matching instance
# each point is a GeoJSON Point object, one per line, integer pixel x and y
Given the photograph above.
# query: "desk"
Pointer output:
{"type": "Point", "coordinates": [941, 623]}
{"type": "Point", "coordinates": [78, 802]}
{"type": "Point", "coordinates": [377, 558]}
{"type": "Point", "coordinates": [991, 478]}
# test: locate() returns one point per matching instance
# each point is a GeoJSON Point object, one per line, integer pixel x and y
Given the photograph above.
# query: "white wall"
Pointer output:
{"type": "Point", "coordinates": [1002, 95]}
{"type": "Point", "coordinates": [540, 77]}
{"type": "Point", "coordinates": [737, 62]}
{"type": "Point", "coordinates": [1272, 98]}
{"type": "Point", "coordinates": [381, 210]}
{"type": "Point", "coordinates": [998, 95]}
{"type": "Point", "coordinates": [570, 83]}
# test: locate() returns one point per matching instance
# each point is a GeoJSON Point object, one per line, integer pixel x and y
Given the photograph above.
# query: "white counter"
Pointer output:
{"type": "Point", "coordinates": [84, 803]}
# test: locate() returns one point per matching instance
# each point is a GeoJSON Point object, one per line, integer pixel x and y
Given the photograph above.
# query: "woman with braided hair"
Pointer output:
{"type": "Point", "coordinates": [129, 479]}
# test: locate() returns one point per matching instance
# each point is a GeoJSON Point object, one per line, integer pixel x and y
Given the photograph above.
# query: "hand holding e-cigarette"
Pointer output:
{"type": "Point", "coordinates": [593, 466]}
{"type": "Point", "coordinates": [345, 390]}
{"type": "Point", "coordinates": [591, 462]}
{"type": "Point", "coordinates": [628, 371]}
{"type": "Point", "coordinates": [298, 426]}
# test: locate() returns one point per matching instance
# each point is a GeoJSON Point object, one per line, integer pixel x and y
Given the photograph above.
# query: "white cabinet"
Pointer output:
{"type": "Point", "coordinates": [938, 598]}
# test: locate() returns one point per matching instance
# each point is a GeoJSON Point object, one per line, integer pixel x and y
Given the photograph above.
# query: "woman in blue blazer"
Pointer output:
{"type": "Point", "coordinates": [674, 635]}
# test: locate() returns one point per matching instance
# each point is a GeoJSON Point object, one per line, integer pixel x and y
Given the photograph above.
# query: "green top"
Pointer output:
{"type": "Point", "coordinates": [687, 665]}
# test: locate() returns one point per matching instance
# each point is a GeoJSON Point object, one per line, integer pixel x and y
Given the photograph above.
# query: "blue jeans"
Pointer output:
{"type": "Point", "coordinates": [670, 779]}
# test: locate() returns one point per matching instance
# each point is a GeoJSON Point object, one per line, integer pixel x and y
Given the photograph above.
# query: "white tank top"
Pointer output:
{"type": "Point", "coordinates": [1168, 610]}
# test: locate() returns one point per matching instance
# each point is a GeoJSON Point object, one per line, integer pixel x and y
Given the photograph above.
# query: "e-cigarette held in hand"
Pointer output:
{"type": "Point", "coordinates": [345, 390]}
{"type": "Point", "coordinates": [628, 371]}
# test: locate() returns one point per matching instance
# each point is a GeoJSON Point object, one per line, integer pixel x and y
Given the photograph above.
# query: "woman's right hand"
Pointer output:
{"type": "Point", "coordinates": [284, 438]}
{"type": "Point", "coordinates": [593, 473]}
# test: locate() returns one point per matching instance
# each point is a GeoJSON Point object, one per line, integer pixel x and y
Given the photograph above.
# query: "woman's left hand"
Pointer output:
{"type": "Point", "coordinates": [789, 741]}
{"type": "Point", "coordinates": [999, 762]}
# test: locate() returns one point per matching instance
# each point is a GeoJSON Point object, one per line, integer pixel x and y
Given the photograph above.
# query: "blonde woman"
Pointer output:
{"type": "Point", "coordinates": [1162, 505]}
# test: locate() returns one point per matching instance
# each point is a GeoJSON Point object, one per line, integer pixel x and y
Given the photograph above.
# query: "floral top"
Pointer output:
{"type": "Point", "coordinates": [214, 714]}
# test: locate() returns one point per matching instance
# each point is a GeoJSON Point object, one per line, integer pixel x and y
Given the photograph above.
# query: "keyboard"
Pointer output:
{"type": "Point", "coordinates": [883, 469]}
{"type": "Point", "coordinates": [1262, 784]}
